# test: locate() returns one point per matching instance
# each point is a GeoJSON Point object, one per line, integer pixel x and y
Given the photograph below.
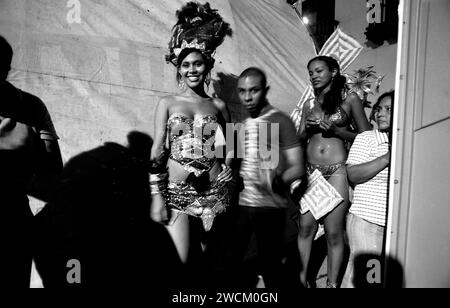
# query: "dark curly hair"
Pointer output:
{"type": "Point", "coordinates": [197, 25]}
{"type": "Point", "coordinates": [332, 98]}
{"type": "Point", "coordinates": [390, 94]}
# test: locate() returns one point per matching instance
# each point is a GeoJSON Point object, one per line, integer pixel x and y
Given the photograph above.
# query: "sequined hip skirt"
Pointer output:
{"type": "Point", "coordinates": [206, 204]}
{"type": "Point", "coordinates": [327, 170]}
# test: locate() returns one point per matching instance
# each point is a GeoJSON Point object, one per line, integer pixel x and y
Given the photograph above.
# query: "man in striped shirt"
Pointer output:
{"type": "Point", "coordinates": [272, 165]}
{"type": "Point", "coordinates": [368, 169]}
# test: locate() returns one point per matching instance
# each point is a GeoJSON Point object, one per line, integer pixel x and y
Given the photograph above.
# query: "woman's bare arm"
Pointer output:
{"type": "Point", "coordinates": [358, 113]}
{"type": "Point", "coordinates": [160, 133]}
{"type": "Point", "coordinates": [226, 174]}
{"type": "Point", "coordinates": [158, 211]}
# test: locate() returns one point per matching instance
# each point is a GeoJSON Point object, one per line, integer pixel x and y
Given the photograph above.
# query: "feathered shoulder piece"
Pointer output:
{"type": "Point", "coordinates": [198, 27]}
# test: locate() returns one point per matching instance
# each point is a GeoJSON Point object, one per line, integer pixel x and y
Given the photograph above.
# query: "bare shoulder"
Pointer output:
{"type": "Point", "coordinates": [166, 102]}
{"type": "Point", "coordinates": [352, 99]}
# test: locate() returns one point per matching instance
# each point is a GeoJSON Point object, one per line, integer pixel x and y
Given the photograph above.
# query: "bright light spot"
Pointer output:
{"type": "Point", "coordinates": [305, 20]}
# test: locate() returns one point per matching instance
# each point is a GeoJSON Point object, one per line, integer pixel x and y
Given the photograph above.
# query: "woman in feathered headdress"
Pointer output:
{"type": "Point", "coordinates": [189, 182]}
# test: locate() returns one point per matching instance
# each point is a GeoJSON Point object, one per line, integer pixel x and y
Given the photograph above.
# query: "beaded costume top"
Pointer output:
{"type": "Point", "coordinates": [340, 117]}
{"type": "Point", "coordinates": [191, 142]}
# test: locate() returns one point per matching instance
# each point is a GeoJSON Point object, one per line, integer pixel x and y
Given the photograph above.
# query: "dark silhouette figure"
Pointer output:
{"type": "Point", "coordinates": [100, 217]}
{"type": "Point", "coordinates": [30, 162]}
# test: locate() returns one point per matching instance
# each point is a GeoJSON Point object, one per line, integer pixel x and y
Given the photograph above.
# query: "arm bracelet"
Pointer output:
{"type": "Point", "coordinates": [295, 185]}
{"type": "Point", "coordinates": [158, 183]}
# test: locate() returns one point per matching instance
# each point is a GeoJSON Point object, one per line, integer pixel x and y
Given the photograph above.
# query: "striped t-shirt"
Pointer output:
{"type": "Point", "coordinates": [370, 198]}
{"type": "Point", "coordinates": [265, 139]}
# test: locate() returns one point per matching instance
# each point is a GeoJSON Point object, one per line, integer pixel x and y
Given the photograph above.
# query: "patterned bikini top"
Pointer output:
{"type": "Point", "coordinates": [191, 141]}
{"type": "Point", "coordinates": [340, 117]}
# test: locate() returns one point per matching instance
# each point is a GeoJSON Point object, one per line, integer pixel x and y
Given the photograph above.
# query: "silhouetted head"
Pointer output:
{"type": "Point", "coordinates": [140, 144]}
{"type": "Point", "coordinates": [6, 54]}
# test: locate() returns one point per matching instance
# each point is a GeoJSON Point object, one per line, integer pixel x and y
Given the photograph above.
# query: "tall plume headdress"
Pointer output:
{"type": "Point", "coordinates": [198, 27]}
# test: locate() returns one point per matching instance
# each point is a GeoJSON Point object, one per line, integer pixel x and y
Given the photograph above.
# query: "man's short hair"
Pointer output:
{"type": "Point", "coordinates": [256, 72]}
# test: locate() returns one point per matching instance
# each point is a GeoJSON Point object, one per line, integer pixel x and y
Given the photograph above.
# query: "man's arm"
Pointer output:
{"type": "Point", "coordinates": [13, 135]}
{"type": "Point", "coordinates": [293, 157]}
{"type": "Point", "coordinates": [290, 180]}
{"type": "Point", "coordinates": [42, 123]}
{"type": "Point", "coordinates": [294, 165]}
{"type": "Point", "coordinates": [43, 182]}
{"type": "Point", "coordinates": [54, 158]}
{"type": "Point", "coordinates": [46, 174]}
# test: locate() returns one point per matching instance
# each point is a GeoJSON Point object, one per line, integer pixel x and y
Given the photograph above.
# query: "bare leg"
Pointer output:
{"type": "Point", "coordinates": [180, 232]}
{"type": "Point", "coordinates": [308, 228]}
{"type": "Point", "coordinates": [335, 227]}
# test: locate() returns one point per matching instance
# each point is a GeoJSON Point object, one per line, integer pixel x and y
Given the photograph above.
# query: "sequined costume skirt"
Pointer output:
{"type": "Point", "coordinates": [327, 170]}
{"type": "Point", "coordinates": [206, 204]}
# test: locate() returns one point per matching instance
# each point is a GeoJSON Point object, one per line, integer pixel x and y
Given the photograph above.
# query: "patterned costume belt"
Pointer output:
{"type": "Point", "coordinates": [327, 170]}
{"type": "Point", "coordinates": [206, 204]}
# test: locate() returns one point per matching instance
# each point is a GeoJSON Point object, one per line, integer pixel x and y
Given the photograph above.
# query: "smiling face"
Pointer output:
{"type": "Point", "coordinates": [252, 94]}
{"type": "Point", "coordinates": [193, 69]}
{"type": "Point", "coordinates": [383, 114]}
{"type": "Point", "coordinates": [320, 74]}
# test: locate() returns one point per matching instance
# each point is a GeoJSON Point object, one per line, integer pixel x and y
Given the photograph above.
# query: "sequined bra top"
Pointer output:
{"type": "Point", "coordinates": [340, 117]}
{"type": "Point", "coordinates": [191, 141]}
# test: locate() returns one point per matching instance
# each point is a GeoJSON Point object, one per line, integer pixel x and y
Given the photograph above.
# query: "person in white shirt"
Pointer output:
{"type": "Point", "coordinates": [368, 169]}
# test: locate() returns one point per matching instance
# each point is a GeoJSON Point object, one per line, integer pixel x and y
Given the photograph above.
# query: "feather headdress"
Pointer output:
{"type": "Point", "coordinates": [198, 27]}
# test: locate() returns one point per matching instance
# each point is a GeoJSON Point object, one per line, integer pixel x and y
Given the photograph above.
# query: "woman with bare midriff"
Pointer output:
{"type": "Point", "coordinates": [189, 181]}
{"type": "Point", "coordinates": [326, 130]}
